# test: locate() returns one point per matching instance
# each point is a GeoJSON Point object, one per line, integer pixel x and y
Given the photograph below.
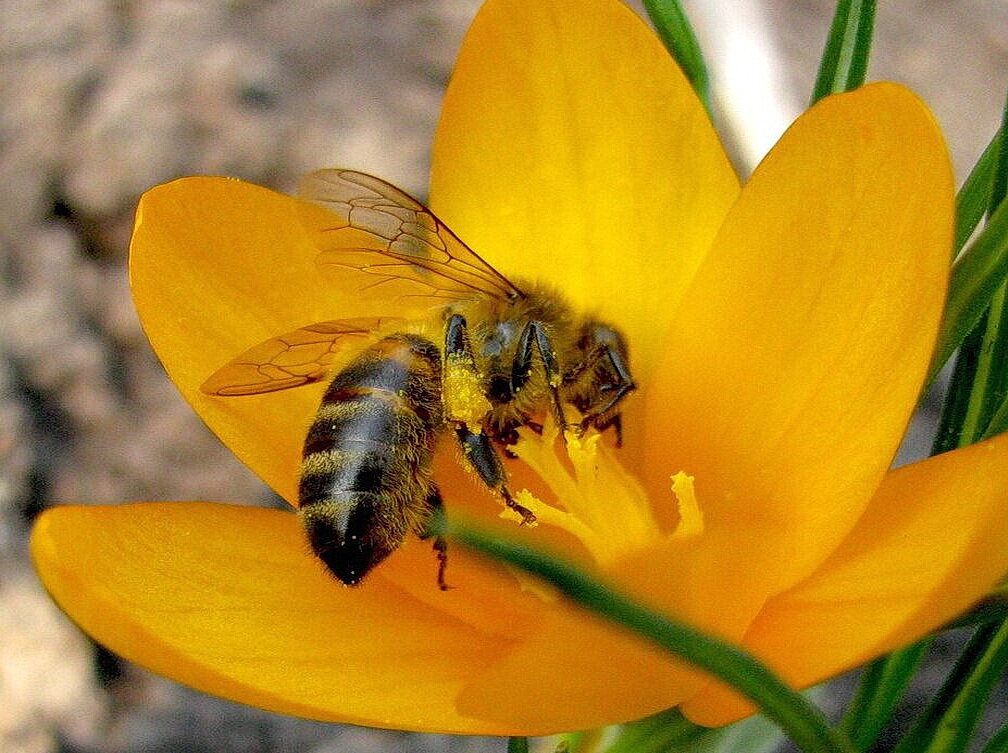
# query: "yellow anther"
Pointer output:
{"type": "Point", "coordinates": [691, 521]}
{"type": "Point", "coordinates": [595, 499]}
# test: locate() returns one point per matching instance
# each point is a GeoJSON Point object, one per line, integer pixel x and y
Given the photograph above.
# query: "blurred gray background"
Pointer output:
{"type": "Point", "coordinates": [101, 99]}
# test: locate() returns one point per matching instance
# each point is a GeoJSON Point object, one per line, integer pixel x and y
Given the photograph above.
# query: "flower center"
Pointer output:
{"type": "Point", "coordinates": [596, 500]}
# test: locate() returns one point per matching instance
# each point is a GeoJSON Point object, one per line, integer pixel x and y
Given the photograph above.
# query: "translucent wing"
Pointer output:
{"type": "Point", "coordinates": [391, 237]}
{"type": "Point", "coordinates": [297, 358]}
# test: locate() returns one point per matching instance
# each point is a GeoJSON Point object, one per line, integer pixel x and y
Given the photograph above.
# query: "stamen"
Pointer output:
{"type": "Point", "coordinates": [691, 521]}
{"type": "Point", "coordinates": [597, 501]}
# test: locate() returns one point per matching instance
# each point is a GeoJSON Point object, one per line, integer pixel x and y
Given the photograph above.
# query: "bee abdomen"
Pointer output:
{"type": "Point", "coordinates": [359, 446]}
{"type": "Point", "coordinates": [365, 473]}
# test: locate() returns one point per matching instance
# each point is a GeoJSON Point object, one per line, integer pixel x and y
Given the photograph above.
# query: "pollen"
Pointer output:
{"type": "Point", "coordinates": [596, 500]}
{"type": "Point", "coordinates": [463, 393]}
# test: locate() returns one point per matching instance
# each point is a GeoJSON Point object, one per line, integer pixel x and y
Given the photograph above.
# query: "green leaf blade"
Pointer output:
{"type": "Point", "coordinates": [789, 709]}
{"type": "Point", "coordinates": [879, 692]}
{"type": "Point", "coordinates": [680, 40]}
{"type": "Point", "coordinates": [973, 199]}
{"type": "Point", "coordinates": [948, 723]}
{"type": "Point", "coordinates": [977, 275]}
{"type": "Point", "coordinates": [844, 62]}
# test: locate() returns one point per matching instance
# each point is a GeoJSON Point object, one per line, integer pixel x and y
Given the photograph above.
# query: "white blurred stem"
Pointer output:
{"type": "Point", "coordinates": [747, 73]}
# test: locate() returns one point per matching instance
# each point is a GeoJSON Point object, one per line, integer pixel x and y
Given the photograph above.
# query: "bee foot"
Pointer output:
{"type": "Point", "coordinates": [441, 547]}
{"type": "Point", "coordinates": [528, 517]}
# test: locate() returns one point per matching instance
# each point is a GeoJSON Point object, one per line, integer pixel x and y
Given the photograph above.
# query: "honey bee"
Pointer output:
{"type": "Point", "coordinates": [508, 356]}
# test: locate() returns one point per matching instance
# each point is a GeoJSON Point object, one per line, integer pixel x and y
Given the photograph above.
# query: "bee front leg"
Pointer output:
{"type": "Point", "coordinates": [601, 416]}
{"type": "Point", "coordinates": [605, 368]}
{"type": "Point", "coordinates": [534, 335]}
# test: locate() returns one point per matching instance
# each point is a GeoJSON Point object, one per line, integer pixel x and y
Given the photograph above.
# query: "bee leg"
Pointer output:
{"type": "Point", "coordinates": [535, 335]}
{"type": "Point", "coordinates": [487, 463]}
{"type": "Point", "coordinates": [507, 436]}
{"type": "Point", "coordinates": [609, 353]}
{"type": "Point", "coordinates": [457, 337]}
{"type": "Point", "coordinates": [436, 505]}
{"type": "Point", "coordinates": [622, 386]}
{"type": "Point", "coordinates": [476, 446]}
{"type": "Point", "coordinates": [615, 421]}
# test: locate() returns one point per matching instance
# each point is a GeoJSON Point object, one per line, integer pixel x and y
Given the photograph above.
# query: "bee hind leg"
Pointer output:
{"type": "Point", "coordinates": [433, 528]}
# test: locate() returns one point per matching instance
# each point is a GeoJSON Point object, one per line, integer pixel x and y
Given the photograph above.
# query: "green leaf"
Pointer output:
{"type": "Point", "coordinates": [977, 275]}
{"type": "Point", "coordinates": [677, 35]}
{"type": "Point", "coordinates": [998, 743]}
{"type": "Point", "coordinates": [880, 689]}
{"type": "Point", "coordinates": [518, 745]}
{"type": "Point", "coordinates": [950, 720]}
{"type": "Point", "coordinates": [998, 422]}
{"type": "Point", "coordinates": [671, 731]}
{"type": "Point", "coordinates": [805, 724]}
{"type": "Point", "coordinates": [992, 608]}
{"type": "Point", "coordinates": [973, 199]}
{"type": "Point", "coordinates": [991, 380]}
{"type": "Point", "coordinates": [668, 730]}
{"type": "Point", "coordinates": [845, 58]}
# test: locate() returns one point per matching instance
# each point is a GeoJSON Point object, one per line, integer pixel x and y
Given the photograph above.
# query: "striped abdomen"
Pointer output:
{"type": "Point", "coordinates": [365, 473]}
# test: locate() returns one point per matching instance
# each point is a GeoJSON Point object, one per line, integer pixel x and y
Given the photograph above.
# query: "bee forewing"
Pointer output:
{"type": "Point", "coordinates": [387, 234]}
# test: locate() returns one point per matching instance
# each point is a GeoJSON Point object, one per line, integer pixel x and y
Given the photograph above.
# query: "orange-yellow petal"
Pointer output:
{"type": "Point", "coordinates": [572, 150]}
{"type": "Point", "coordinates": [796, 357]}
{"type": "Point", "coordinates": [218, 266]}
{"type": "Point", "coordinates": [586, 672]}
{"type": "Point", "coordinates": [228, 600]}
{"type": "Point", "coordinates": [933, 541]}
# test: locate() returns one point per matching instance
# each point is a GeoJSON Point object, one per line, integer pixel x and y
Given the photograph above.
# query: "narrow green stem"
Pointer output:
{"type": "Point", "coordinates": [518, 745]}
{"type": "Point", "coordinates": [973, 199]}
{"type": "Point", "coordinates": [800, 720]}
{"type": "Point", "coordinates": [998, 743]}
{"type": "Point", "coordinates": [948, 723]}
{"type": "Point", "coordinates": [677, 35]}
{"type": "Point", "coordinates": [880, 690]}
{"type": "Point", "coordinates": [845, 57]}
{"type": "Point", "coordinates": [977, 274]}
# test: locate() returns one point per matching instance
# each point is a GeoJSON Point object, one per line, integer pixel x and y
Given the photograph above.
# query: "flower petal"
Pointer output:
{"type": "Point", "coordinates": [933, 541]}
{"type": "Point", "coordinates": [588, 673]}
{"type": "Point", "coordinates": [796, 357]}
{"type": "Point", "coordinates": [218, 266]}
{"type": "Point", "coordinates": [226, 599]}
{"type": "Point", "coordinates": [571, 150]}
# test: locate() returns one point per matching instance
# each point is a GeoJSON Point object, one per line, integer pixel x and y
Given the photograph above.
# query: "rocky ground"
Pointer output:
{"type": "Point", "coordinates": [101, 99]}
